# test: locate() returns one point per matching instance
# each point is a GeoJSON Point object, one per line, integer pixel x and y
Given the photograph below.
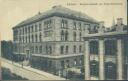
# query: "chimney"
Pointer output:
{"type": "Point", "coordinates": [119, 21]}
{"type": "Point", "coordinates": [101, 27]}
{"type": "Point", "coordinates": [101, 24]}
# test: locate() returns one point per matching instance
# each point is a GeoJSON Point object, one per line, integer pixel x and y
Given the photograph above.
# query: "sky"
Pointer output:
{"type": "Point", "coordinates": [13, 12]}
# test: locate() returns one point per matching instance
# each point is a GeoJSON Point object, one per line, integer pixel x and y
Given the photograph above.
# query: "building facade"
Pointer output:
{"type": "Point", "coordinates": [53, 40]}
{"type": "Point", "coordinates": [106, 53]}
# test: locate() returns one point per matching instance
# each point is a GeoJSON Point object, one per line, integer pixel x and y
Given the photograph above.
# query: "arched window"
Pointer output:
{"type": "Point", "coordinates": [66, 35]}
{"type": "Point", "coordinates": [62, 35]}
{"type": "Point", "coordinates": [74, 36]}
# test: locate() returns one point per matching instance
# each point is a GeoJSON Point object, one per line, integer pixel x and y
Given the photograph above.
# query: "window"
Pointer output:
{"type": "Point", "coordinates": [50, 49]}
{"type": "Point", "coordinates": [46, 49]}
{"type": "Point", "coordinates": [23, 30]}
{"type": "Point", "coordinates": [62, 64]}
{"type": "Point", "coordinates": [32, 50]}
{"type": "Point", "coordinates": [80, 26]}
{"type": "Point", "coordinates": [32, 39]}
{"type": "Point", "coordinates": [62, 49]}
{"type": "Point", "coordinates": [94, 47]}
{"type": "Point", "coordinates": [50, 63]}
{"type": "Point", "coordinates": [62, 35]}
{"type": "Point", "coordinates": [29, 38]}
{"type": "Point", "coordinates": [40, 27]}
{"type": "Point", "coordinates": [111, 47]}
{"type": "Point", "coordinates": [47, 24]}
{"type": "Point", "coordinates": [86, 26]}
{"type": "Point", "coordinates": [74, 25]}
{"type": "Point", "coordinates": [36, 50]}
{"type": "Point", "coordinates": [66, 49]}
{"type": "Point", "coordinates": [80, 49]}
{"type": "Point", "coordinates": [80, 61]}
{"type": "Point", "coordinates": [67, 63]}
{"type": "Point", "coordinates": [74, 36]}
{"type": "Point", "coordinates": [35, 28]}
{"type": "Point", "coordinates": [26, 30]}
{"type": "Point", "coordinates": [32, 28]}
{"type": "Point", "coordinates": [29, 29]}
{"type": "Point", "coordinates": [75, 62]}
{"type": "Point", "coordinates": [20, 31]}
{"type": "Point", "coordinates": [40, 37]}
{"type": "Point", "coordinates": [47, 28]}
{"type": "Point", "coordinates": [80, 36]}
{"type": "Point", "coordinates": [36, 38]}
{"type": "Point", "coordinates": [64, 24]}
{"type": "Point", "coordinates": [26, 39]}
{"type": "Point", "coordinates": [40, 49]}
{"type": "Point", "coordinates": [74, 49]}
{"type": "Point", "coordinates": [23, 39]}
{"type": "Point", "coordinates": [66, 36]}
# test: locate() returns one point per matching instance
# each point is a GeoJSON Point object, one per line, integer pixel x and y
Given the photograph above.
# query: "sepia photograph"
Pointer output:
{"type": "Point", "coordinates": [63, 40]}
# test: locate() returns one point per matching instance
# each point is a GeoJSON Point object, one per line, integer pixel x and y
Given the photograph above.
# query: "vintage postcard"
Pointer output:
{"type": "Point", "coordinates": [63, 40]}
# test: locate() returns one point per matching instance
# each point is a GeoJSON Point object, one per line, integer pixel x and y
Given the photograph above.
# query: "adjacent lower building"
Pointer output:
{"type": "Point", "coordinates": [106, 53]}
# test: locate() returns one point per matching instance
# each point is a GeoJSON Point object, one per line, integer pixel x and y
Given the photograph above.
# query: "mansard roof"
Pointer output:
{"type": "Point", "coordinates": [61, 12]}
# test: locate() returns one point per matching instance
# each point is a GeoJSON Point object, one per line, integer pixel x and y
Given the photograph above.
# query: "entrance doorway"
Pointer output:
{"type": "Point", "coordinates": [28, 55]}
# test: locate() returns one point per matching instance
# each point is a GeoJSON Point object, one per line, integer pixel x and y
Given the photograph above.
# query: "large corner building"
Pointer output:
{"type": "Point", "coordinates": [53, 40]}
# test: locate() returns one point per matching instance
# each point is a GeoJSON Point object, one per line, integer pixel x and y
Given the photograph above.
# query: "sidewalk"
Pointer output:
{"type": "Point", "coordinates": [26, 71]}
